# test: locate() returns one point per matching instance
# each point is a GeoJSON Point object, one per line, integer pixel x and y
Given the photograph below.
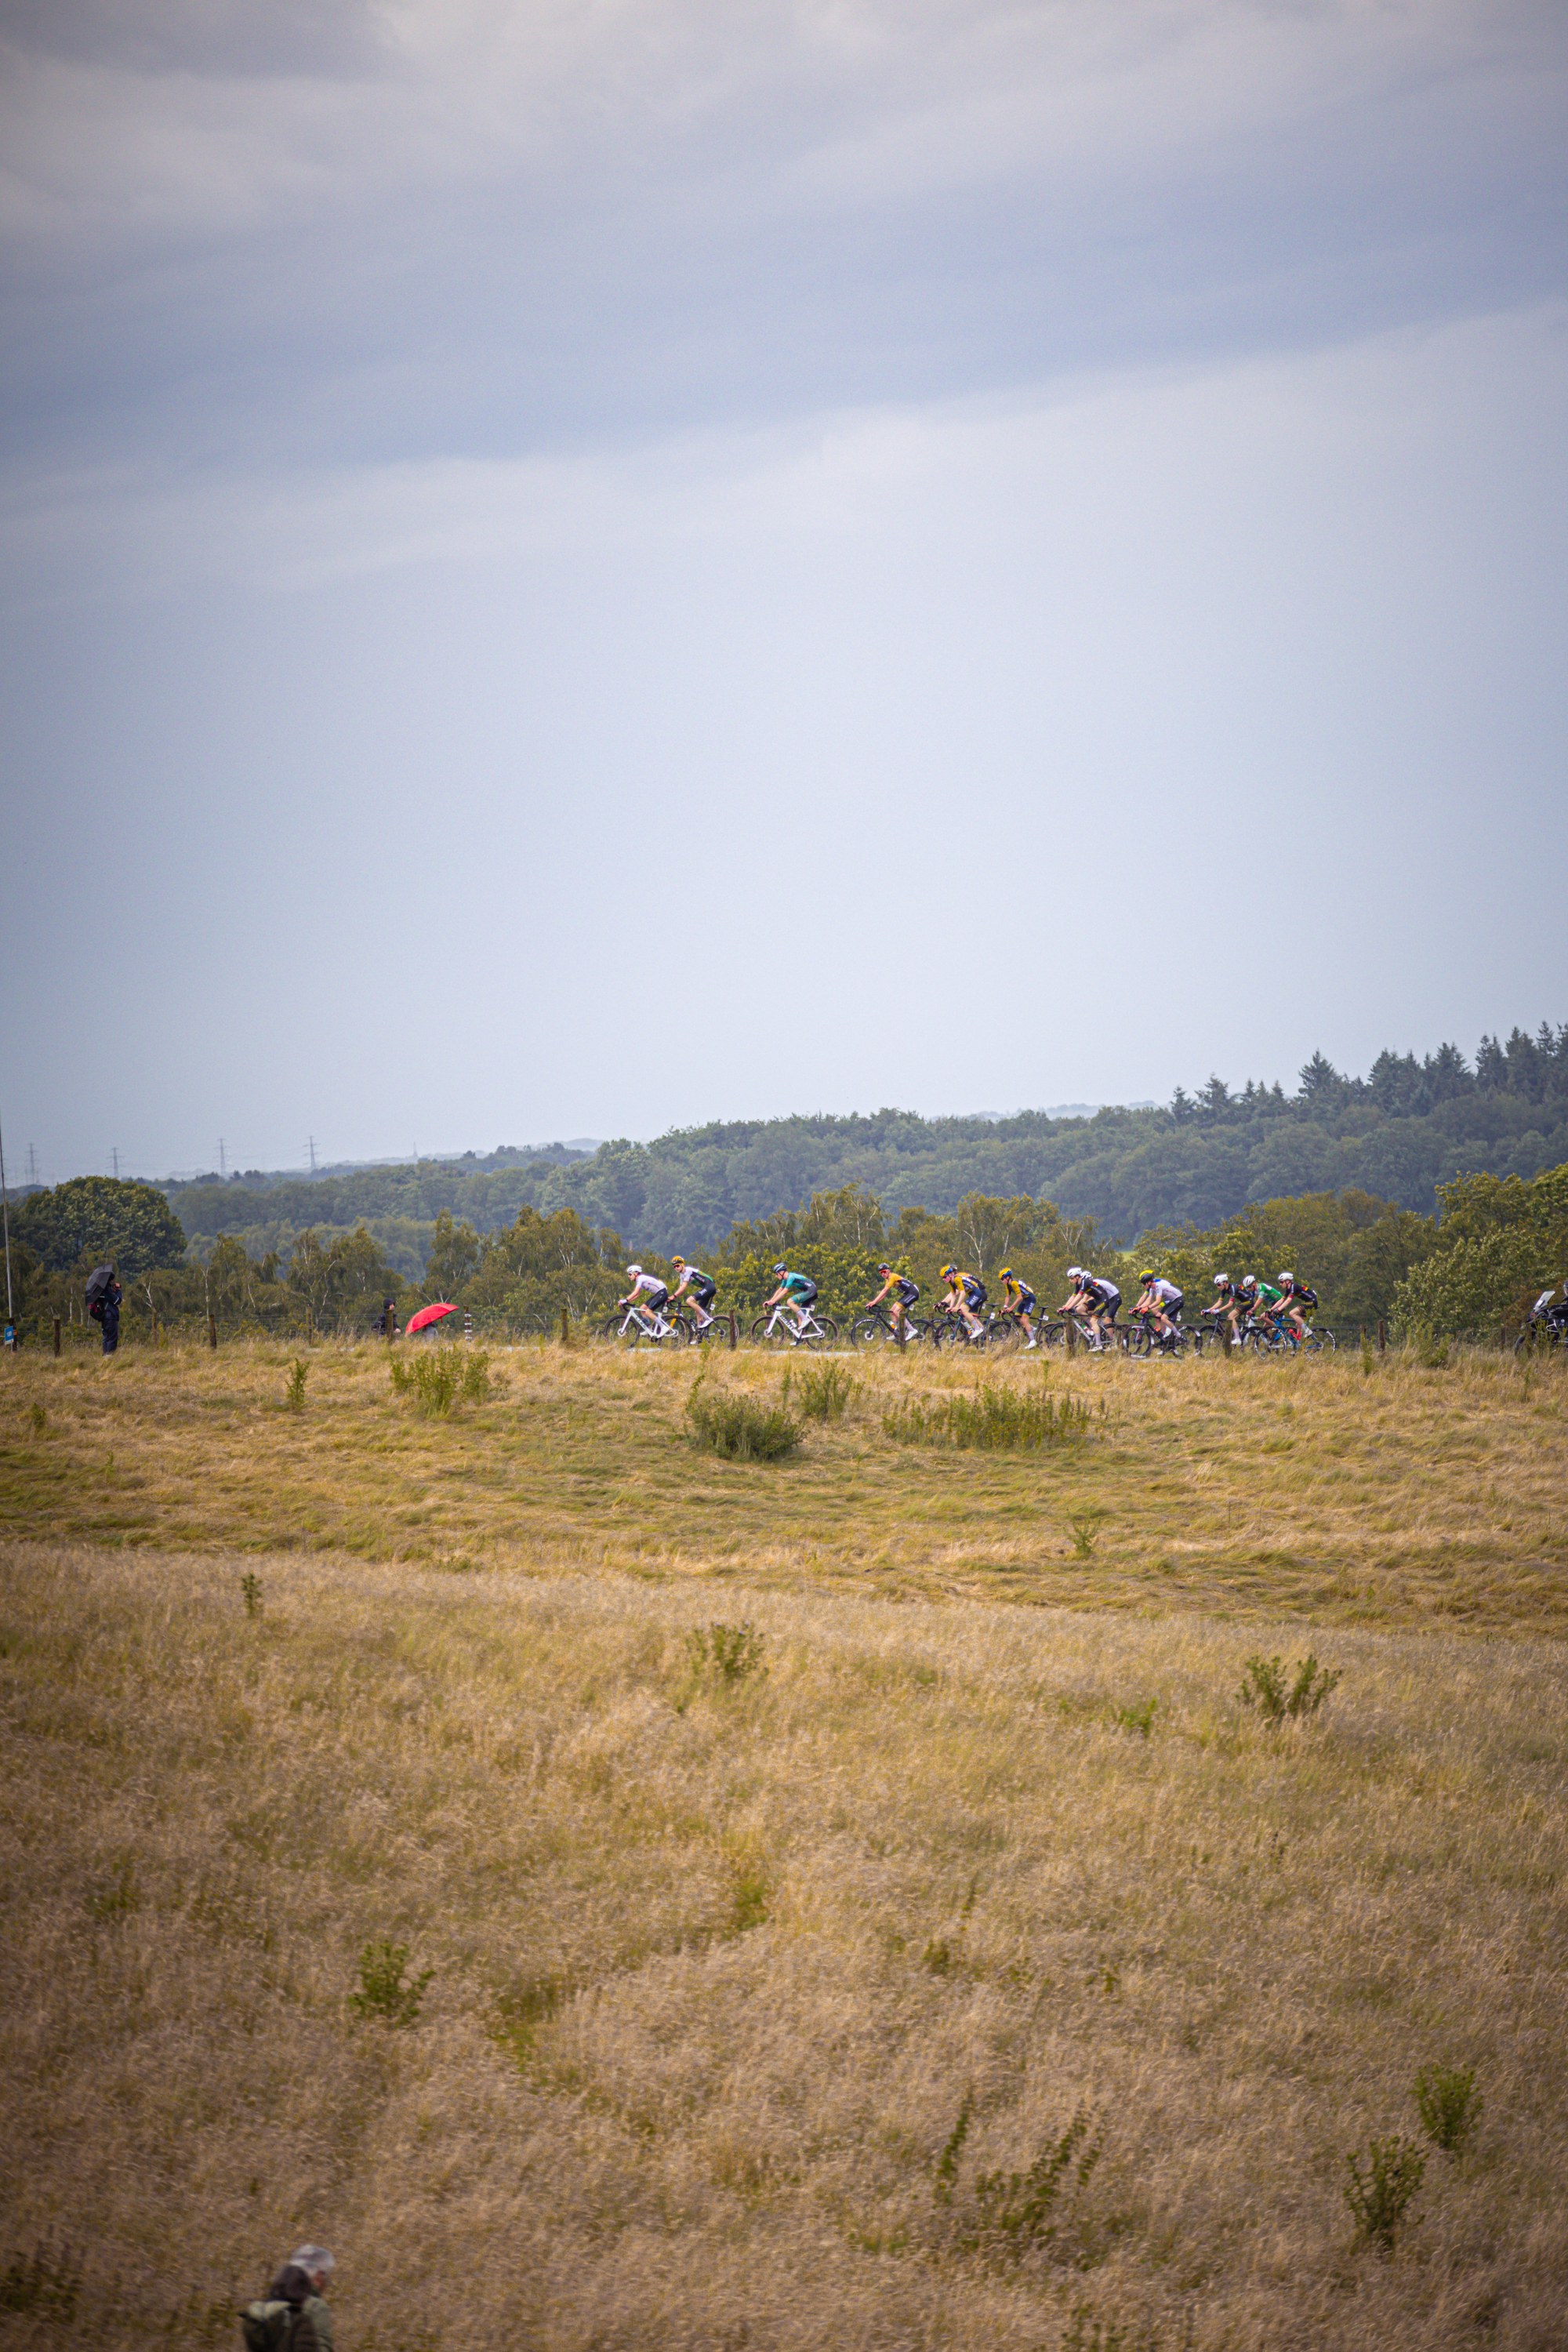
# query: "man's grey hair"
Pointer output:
{"type": "Point", "coordinates": [313, 2259]}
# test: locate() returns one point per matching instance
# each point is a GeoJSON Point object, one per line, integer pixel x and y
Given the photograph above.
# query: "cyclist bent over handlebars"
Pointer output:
{"type": "Point", "coordinates": [797, 1293]}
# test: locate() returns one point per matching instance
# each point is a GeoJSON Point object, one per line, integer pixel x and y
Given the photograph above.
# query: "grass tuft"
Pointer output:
{"type": "Point", "coordinates": [1380, 2198]}
{"type": "Point", "coordinates": [993, 1419]}
{"type": "Point", "coordinates": [736, 1427]}
{"type": "Point", "coordinates": [1449, 2106]}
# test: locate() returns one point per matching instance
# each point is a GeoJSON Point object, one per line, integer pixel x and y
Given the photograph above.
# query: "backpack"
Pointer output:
{"type": "Point", "coordinates": [271, 2327]}
{"type": "Point", "coordinates": [100, 1282]}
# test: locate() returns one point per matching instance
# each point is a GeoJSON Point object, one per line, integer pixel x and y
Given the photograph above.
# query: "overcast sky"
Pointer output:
{"type": "Point", "coordinates": [573, 570]}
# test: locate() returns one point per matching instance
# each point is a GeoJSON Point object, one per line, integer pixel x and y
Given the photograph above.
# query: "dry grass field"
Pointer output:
{"type": "Point", "coordinates": [921, 1969]}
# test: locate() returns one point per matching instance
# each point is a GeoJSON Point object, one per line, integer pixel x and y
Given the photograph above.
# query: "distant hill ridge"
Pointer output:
{"type": "Point", "coordinates": [1405, 1128]}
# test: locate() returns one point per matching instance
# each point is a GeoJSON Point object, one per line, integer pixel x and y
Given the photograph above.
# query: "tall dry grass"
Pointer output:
{"type": "Point", "coordinates": [1400, 1493]}
{"type": "Point", "coordinates": [720, 1962]}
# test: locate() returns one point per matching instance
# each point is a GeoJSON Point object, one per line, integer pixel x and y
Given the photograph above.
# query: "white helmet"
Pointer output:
{"type": "Point", "coordinates": [1287, 1277]}
{"type": "Point", "coordinates": [1220, 1281]}
{"type": "Point", "coordinates": [1073, 1273]}
{"type": "Point", "coordinates": [634, 1271]}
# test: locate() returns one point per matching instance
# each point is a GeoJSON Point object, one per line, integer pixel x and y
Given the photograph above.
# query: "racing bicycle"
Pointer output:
{"type": "Point", "coordinates": [780, 1329]}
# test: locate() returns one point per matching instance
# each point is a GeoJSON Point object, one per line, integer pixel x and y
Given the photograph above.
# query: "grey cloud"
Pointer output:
{"type": "Point", "coordinates": [316, 38]}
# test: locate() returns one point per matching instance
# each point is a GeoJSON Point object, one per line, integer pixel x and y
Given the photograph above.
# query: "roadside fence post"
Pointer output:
{"type": "Point", "coordinates": [734, 1331]}
{"type": "Point", "coordinates": [1072, 1334]}
{"type": "Point", "coordinates": [56, 1335]}
{"type": "Point", "coordinates": [212, 1330]}
{"type": "Point", "coordinates": [1382, 1337]}
{"type": "Point", "coordinates": [565, 1334]}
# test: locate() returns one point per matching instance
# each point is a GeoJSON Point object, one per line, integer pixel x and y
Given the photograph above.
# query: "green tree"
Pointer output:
{"type": "Point", "coordinates": [454, 1256]}
{"type": "Point", "coordinates": [99, 1218]}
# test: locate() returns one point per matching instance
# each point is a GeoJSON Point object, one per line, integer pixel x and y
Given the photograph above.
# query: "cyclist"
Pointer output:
{"type": "Point", "coordinates": [1299, 1298]}
{"type": "Point", "coordinates": [796, 1294]}
{"type": "Point", "coordinates": [1018, 1299]}
{"type": "Point", "coordinates": [1097, 1300]}
{"type": "Point", "coordinates": [904, 1293]}
{"type": "Point", "coordinates": [964, 1296]}
{"type": "Point", "coordinates": [1162, 1301]}
{"type": "Point", "coordinates": [1268, 1305]}
{"type": "Point", "coordinates": [703, 1288]}
{"type": "Point", "coordinates": [1232, 1305]}
{"type": "Point", "coordinates": [648, 1299]}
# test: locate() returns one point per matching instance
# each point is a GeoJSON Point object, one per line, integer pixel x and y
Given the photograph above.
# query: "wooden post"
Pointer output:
{"type": "Point", "coordinates": [308, 1334]}
{"type": "Point", "coordinates": [734, 1333]}
{"type": "Point", "coordinates": [565, 1334]}
{"type": "Point", "coordinates": [1071, 1329]}
{"type": "Point", "coordinates": [212, 1330]}
{"type": "Point", "coordinates": [56, 1335]}
{"type": "Point", "coordinates": [898, 1333]}
{"type": "Point", "coordinates": [1382, 1337]}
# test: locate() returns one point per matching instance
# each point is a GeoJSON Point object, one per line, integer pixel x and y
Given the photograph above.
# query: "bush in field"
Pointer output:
{"type": "Point", "coordinates": [438, 1378]}
{"type": "Point", "coordinates": [821, 1391]}
{"type": "Point", "coordinates": [1379, 2200]}
{"type": "Point", "coordinates": [1449, 2104]}
{"type": "Point", "coordinates": [1265, 1687]}
{"type": "Point", "coordinates": [737, 1427]}
{"type": "Point", "coordinates": [386, 1994]}
{"type": "Point", "coordinates": [727, 1654]}
{"type": "Point", "coordinates": [995, 1418]}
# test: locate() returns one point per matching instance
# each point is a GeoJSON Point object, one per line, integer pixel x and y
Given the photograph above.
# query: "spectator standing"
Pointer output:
{"type": "Point", "coordinates": [111, 1299]}
{"type": "Point", "coordinates": [294, 2316]}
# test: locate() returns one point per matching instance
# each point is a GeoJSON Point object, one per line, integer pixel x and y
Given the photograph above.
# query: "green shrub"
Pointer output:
{"type": "Point", "coordinates": [821, 1391]}
{"type": "Point", "coordinates": [39, 1415]}
{"type": "Point", "coordinates": [1394, 2167]}
{"type": "Point", "coordinates": [726, 1653]}
{"type": "Point", "coordinates": [438, 1378]}
{"type": "Point", "coordinates": [386, 1992]}
{"type": "Point", "coordinates": [1139, 1719]}
{"type": "Point", "coordinates": [1013, 2212]}
{"type": "Point", "coordinates": [1084, 1526]}
{"type": "Point", "coordinates": [250, 1593]}
{"type": "Point", "coordinates": [1449, 2104]}
{"type": "Point", "coordinates": [1264, 1686]}
{"type": "Point", "coordinates": [993, 1419]}
{"type": "Point", "coordinates": [736, 1426]}
{"type": "Point", "coordinates": [294, 1395]}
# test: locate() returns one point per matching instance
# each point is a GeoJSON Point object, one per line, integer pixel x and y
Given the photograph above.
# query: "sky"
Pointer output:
{"type": "Point", "coordinates": [572, 571]}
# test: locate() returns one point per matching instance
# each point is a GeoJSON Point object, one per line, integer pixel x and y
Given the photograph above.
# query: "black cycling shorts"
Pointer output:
{"type": "Point", "coordinates": [703, 1294]}
{"type": "Point", "coordinates": [654, 1302]}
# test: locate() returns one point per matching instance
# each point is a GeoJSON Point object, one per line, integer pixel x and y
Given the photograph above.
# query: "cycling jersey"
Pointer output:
{"type": "Point", "coordinates": [1165, 1292]}
{"type": "Point", "coordinates": [800, 1288]}
{"type": "Point", "coordinates": [1094, 1288]}
{"type": "Point", "coordinates": [1018, 1296]}
{"type": "Point", "coordinates": [908, 1291]}
{"type": "Point", "coordinates": [1268, 1297]}
{"type": "Point", "coordinates": [657, 1292]}
{"type": "Point", "coordinates": [1300, 1292]}
{"type": "Point", "coordinates": [973, 1290]}
{"type": "Point", "coordinates": [703, 1285]}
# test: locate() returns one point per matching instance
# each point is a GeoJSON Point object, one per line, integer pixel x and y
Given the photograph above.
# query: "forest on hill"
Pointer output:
{"type": "Point", "coordinates": [1397, 1134]}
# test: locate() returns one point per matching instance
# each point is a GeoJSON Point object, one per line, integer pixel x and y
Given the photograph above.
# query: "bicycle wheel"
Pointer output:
{"type": "Point", "coordinates": [821, 1331]}
{"type": "Point", "coordinates": [870, 1331]}
{"type": "Point", "coordinates": [1319, 1343]}
{"type": "Point", "coordinates": [716, 1328]}
{"type": "Point", "coordinates": [1001, 1334]}
{"type": "Point", "coordinates": [772, 1331]}
{"type": "Point", "coordinates": [612, 1328]}
{"type": "Point", "coordinates": [950, 1332]}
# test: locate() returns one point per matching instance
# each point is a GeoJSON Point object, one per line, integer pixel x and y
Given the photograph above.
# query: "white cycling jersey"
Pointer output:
{"type": "Point", "coordinates": [647, 1282]}
{"type": "Point", "coordinates": [1163, 1289]}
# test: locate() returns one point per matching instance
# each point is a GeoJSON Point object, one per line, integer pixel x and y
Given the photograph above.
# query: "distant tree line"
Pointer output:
{"type": "Point", "coordinates": [1397, 1134]}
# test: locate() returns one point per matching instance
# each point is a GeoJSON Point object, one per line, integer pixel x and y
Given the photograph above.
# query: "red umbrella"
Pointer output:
{"type": "Point", "coordinates": [425, 1317]}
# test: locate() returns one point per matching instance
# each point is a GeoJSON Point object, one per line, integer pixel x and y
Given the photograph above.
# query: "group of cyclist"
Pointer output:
{"type": "Point", "coordinates": [1094, 1299]}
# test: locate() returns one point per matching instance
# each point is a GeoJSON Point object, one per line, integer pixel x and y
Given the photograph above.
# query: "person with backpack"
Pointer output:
{"type": "Point", "coordinates": [293, 2317]}
{"type": "Point", "coordinates": [103, 1297]}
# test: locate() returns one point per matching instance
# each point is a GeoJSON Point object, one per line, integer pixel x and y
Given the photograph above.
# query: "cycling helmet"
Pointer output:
{"type": "Point", "coordinates": [1222, 1282]}
{"type": "Point", "coordinates": [1287, 1277]}
{"type": "Point", "coordinates": [1249, 1282]}
{"type": "Point", "coordinates": [884, 1269]}
{"type": "Point", "coordinates": [950, 1274]}
{"type": "Point", "coordinates": [1074, 1273]}
{"type": "Point", "coordinates": [634, 1271]}
{"type": "Point", "coordinates": [1147, 1274]}
{"type": "Point", "coordinates": [1005, 1274]}
{"type": "Point", "coordinates": [781, 1267]}
{"type": "Point", "coordinates": [678, 1259]}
